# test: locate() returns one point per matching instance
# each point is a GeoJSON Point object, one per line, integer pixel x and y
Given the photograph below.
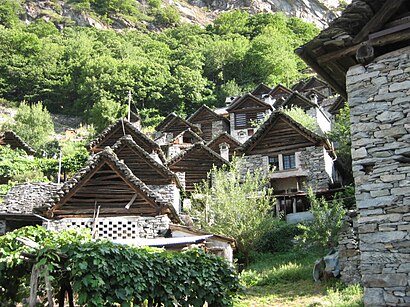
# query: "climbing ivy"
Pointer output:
{"type": "Point", "coordinates": [103, 273]}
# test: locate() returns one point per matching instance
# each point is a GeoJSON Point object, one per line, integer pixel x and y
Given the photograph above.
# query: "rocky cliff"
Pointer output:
{"type": "Point", "coordinates": [202, 12]}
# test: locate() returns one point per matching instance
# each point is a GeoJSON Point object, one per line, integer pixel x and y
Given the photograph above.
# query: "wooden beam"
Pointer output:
{"type": "Point", "coordinates": [350, 51]}
{"type": "Point", "coordinates": [382, 16]}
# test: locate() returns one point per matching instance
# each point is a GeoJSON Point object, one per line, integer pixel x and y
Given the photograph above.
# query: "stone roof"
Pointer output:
{"type": "Point", "coordinates": [208, 109]}
{"type": "Point", "coordinates": [128, 140]}
{"type": "Point", "coordinates": [237, 102]}
{"type": "Point", "coordinates": [171, 118]}
{"type": "Point", "coordinates": [224, 135]}
{"type": "Point", "coordinates": [196, 136]}
{"type": "Point", "coordinates": [296, 96]}
{"type": "Point", "coordinates": [108, 155]}
{"type": "Point", "coordinates": [23, 198]}
{"type": "Point", "coordinates": [363, 25]}
{"type": "Point", "coordinates": [196, 147]}
{"type": "Point", "coordinates": [271, 120]}
{"type": "Point", "coordinates": [11, 138]}
{"type": "Point", "coordinates": [261, 89]}
{"type": "Point", "coordinates": [133, 129]}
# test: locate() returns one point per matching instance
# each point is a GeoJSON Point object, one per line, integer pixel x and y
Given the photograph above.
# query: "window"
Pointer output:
{"type": "Point", "coordinates": [274, 162]}
{"type": "Point", "coordinates": [289, 161]}
{"type": "Point", "coordinates": [240, 120]}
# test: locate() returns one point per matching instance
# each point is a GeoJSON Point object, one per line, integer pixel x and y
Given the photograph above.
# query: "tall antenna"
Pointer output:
{"type": "Point", "coordinates": [129, 104]}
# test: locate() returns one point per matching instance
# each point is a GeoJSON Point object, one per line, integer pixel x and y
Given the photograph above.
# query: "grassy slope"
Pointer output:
{"type": "Point", "coordinates": [286, 280]}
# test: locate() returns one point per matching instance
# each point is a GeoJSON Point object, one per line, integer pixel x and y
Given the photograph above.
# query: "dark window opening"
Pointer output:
{"type": "Point", "coordinates": [274, 162]}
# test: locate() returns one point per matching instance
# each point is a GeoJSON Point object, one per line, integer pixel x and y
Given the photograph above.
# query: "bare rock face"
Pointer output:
{"type": "Point", "coordinates": [319, 12]}
{"type": "Point", "coordinates": [202, 12]}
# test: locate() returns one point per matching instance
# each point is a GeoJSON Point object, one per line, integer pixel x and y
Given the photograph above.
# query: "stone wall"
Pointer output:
{"type": "Point", "coordinates": [312, 160]}
{"type": "Point", "coordinates": [349, 253]}
{"type": "Point", "coordinates": [309, 160]}
{"type": "Point", "coordinates": [218, 127]}
{"type": "Point", "coordinates": [379, 98]}
{"type": "Point", "coordinates": [2, 227]}
{"type": "Point", "coordinates": [169, 193]}
{"type": "Point", "coordinates": [117, 228]}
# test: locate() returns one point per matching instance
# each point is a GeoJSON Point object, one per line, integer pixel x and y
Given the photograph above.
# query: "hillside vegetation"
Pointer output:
{"type": "Point", "coordinates": [78, 70]}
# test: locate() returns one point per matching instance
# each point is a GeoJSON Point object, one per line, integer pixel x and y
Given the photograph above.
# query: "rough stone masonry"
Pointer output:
{"type": "Point", "coordinates": [379, 98]}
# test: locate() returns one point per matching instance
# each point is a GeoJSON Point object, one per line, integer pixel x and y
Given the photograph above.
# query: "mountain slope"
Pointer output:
{"type": "Point", "coordinates": [147, 12]}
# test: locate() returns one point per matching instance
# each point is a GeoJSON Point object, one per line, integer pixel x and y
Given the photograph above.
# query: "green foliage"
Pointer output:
{"type": "Point", "coordinates": [300, 116]}
{"type": "Point", "coordinates": [327, 221]}
{"type": "Point", "coordinates": [235, 204]}
{"type": "Point", "coordinates": [278, 238]}
{"type": "Point", "coordinates": [285, 267]}
{"type": "Point", "coordinates": [166, 16]}
{"type": "Point", "coordinates": [105, 112]}
{"type": "Point", "coordinates": [33, 124]}
{"type": "Point", "coordinates": [104, 273]}
{"type": "Point", "coordinates": [342, 140]}
{"type": "Point", "coordinates": [9, 10]}
{"type": "Point", "coordinates": [345, 295]}
{"type": "Point", "coordinates": [176, 69]}
{"type": "Point", "coordinates": [150, 118]}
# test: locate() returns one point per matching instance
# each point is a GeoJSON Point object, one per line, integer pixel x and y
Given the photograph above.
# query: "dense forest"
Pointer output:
{"type": "Point", "coordinates": [178, 67]}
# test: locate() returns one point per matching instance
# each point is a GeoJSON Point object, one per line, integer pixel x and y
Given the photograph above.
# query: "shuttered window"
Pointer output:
{"type": "Point", "coordinates": [240, 120]}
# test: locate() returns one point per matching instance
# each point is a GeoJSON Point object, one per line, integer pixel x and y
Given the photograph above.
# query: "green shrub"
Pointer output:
{"type": "Point", "coordinates": [278, 238]}
{"type": "Point", "coordinates": [327, 221]}
{"type": "Point", "coordinates": [105, 274]}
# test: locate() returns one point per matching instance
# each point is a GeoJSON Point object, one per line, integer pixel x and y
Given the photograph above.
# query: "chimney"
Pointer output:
{"type": "Point", "coordinates": [224, 151]}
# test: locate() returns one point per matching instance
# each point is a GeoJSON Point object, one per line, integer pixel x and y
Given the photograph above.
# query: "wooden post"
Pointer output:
{"type": "Point", "coordinates": [33, 286]}
{"type": "Point", "coordinates": [49, 289]}
{"type": "Point", "coordinates": [129, 104]}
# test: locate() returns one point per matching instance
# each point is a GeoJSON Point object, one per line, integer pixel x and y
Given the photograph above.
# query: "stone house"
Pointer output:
{"type": "Point", "coordinates": [106, 197]}
{"type": "Point", "coordinates": [181, 142]}
{"type": "Point", "coordinates": [210, 123]}
{"type": "Point", "coordinates": [150, 171]}
{"type": "Point", "coordinates": [364, 56]}
{"type": "Point", "coordinates": [110, 135]}
{"type": "Point", "coordinates": [300, 158]}
{"type": "Point", "coordinates": [314, 83]}
{"type": "Point", "coordinates": [244, 113]}
{"type": "Point", "coordinates": [171, 126]}
{"type": "Point", "coordinates": [17, 209]}
{"type": "Point", "coordinates": [193, 165]}
{"type": "Point", "coordinates": [225, 145]}
{"type": "Point", "coordinates": [280, 93]}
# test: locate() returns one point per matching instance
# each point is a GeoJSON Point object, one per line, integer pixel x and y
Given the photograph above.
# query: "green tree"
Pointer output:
{"type": "Point", "coordinates": [33, 124]}
{"type": "Point", "coordinates": [9, 13]}
{"type": "Point", "coordinates": [271, 59]}
{"type": "Point", "coordinates": [327, 222]}
{"type": "Point", "coordinates": [105, 112]}
{"type": "Point", "coordinates": [231, 22]}
{"type": "Point", "coordinates": [236, 204]}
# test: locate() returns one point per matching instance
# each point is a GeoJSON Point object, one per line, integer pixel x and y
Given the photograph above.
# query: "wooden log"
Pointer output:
{"type": "Point", "coordinates": [379, 19]}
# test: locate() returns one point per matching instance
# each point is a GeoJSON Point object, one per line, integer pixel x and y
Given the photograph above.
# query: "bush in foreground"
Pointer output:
{"type": "Point", "coordinates": [103, 273]}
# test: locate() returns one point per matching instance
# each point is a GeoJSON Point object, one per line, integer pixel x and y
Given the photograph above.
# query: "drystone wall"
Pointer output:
{"type": "Point", "coordinates": [379, 98]}
{"type": "Point", "coordinates": [309, 159]}
{"type": "Point", "coordinates": [312, 159]}
{"type": "Point", "coordinates": [349, 253]}
{"type": "Point", "coordinates": [169, 193]}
